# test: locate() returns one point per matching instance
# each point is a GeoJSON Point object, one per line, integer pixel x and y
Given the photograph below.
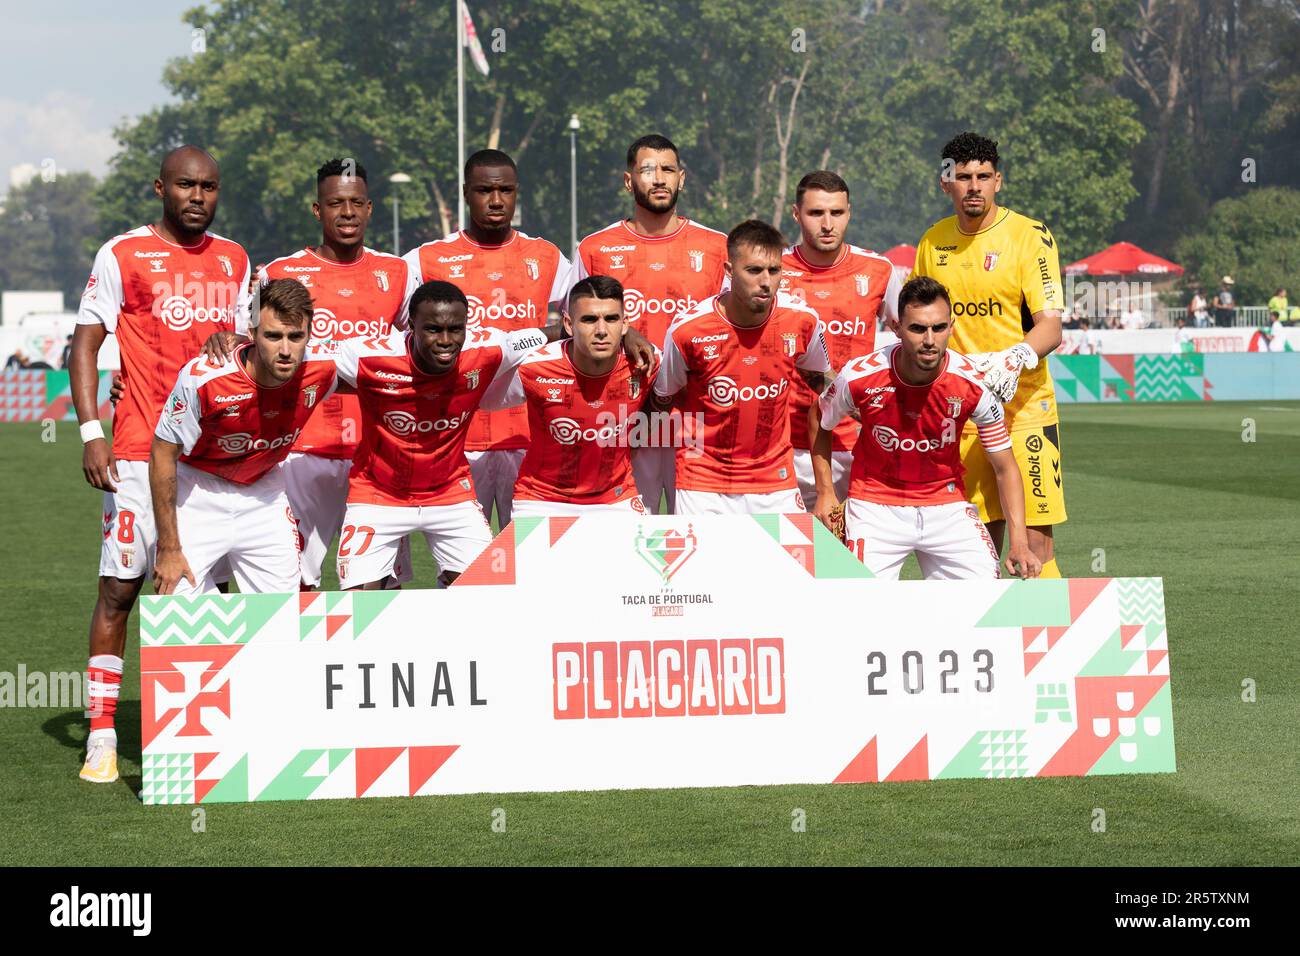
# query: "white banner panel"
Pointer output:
{"type": "Point", "coordinates": [619, 652]}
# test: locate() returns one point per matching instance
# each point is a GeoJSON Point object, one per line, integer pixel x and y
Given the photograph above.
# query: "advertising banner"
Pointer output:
{"type": "Point", "coordinates": [613, 652]}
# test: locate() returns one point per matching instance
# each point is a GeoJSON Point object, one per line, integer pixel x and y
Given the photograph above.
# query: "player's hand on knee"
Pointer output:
{"type": "Point", "coordinates": [99, 465]}
{"type": "Point", "coordinates": [169, 568]}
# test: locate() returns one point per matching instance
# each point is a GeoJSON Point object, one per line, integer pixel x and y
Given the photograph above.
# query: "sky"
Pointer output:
{"type": "Point", "coordinates": [72, 70]}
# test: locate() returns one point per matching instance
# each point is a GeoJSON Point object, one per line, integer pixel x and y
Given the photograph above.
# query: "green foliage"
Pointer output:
{"type": "Point", "coordinates": [48, 235]}
{"type": "Point", "coordinates": [871, 90]}
{"type": "Point", "coordinates": [1255, 239]}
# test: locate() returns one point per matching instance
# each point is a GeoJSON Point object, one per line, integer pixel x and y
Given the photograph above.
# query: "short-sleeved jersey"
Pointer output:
{"type": "Point", "coordinates": [414, 425]}
{"type": "Point", "coordinates": [361, 299]}
{"type": "Point", "coordinates": [662, 276]}
{"type": "Point", "coordinates": [908, 451]}
{"type": "Point", "coordinates": [579, 427]}
{"type": "Point", "coordinates": [738, 382]}
{"type": "Point", "coordinates": [162, 301]}
{"type": "Point", "coordinates": [998, 278]}
{"type": "Point", "coordinates": [231, 427]}
{"type": "Point", "coordinates": [509, 287]}
{"type": "Point", "coordinates": [849, 295]}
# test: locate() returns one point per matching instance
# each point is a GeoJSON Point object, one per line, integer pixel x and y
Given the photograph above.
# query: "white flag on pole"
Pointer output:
{"type": "Point", "coordinates": [471, 40]}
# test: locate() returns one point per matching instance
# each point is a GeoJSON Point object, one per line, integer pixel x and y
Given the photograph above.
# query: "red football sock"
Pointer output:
{"type": "Point", "coordinates": [103, 681]}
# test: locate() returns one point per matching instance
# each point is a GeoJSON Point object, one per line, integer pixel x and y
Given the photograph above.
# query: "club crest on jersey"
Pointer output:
{"type": "Point", "coordinates": [226, 267]}
{"type": "Point", "coordinates": [309, 396]}
{"type": "Point", "coordinates": [381, 276]}
{"type": "Point", "coordinates": [990, 261]}
{"type": "Point", "coordinates": [954, 406]}
{"type": "Point", "coordinates": [860, 282]}
{"type": "Point", "coordinates": [471, 379]}
{"type": "Point", "coordinates": [534, 270]}
{"type": "Point", "coordinates": [790, 343]}
{"type": "Point", "coordinates": [697, 259]}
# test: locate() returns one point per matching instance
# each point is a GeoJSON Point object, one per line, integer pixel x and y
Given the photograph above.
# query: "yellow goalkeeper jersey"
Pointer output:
{"type": "Point", "coordinates": [997, 279]}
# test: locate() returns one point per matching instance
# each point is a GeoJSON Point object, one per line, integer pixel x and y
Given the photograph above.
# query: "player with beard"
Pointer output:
{"type": "Point", "coordinates": [218, 488]}
{"type": "Point", "coordinates": [667, 265]}
{"type": "Point", "coordinates": [161, 290]}
{"type": "Point", "coordinates": [1004, 276]}
{"type": "Point", "coordinates": [584, 399]}
{"type": "Point", "coordinates": [358, 293]}
{"type": "Point", "coordinates": [906, 494]}
{"type": "Point", "coordinates": [851, 289]}
{"type": "Point", "coordinates": [511, 280]}
{"type": "Point", "coordinates": [734, 357]}
{"type": "Point", "coordinates": [419, 391]}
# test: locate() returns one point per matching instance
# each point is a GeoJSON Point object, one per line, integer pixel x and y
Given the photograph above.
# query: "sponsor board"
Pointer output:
{"type": "Point", "coordinates": [664, 663]}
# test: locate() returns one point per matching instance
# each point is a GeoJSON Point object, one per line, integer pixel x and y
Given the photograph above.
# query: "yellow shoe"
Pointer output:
{"type": "Point", "coordinates": [101, 763]}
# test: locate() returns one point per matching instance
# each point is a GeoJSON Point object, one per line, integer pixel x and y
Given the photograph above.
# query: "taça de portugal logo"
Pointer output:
{"type": "Point", "coordinates": [665, 551]}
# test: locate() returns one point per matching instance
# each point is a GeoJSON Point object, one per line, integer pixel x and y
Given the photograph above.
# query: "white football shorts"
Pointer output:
{"type": "Point", "coordinates": [370, 542]}
{"type": "Point", "coordinates": [950, 541]}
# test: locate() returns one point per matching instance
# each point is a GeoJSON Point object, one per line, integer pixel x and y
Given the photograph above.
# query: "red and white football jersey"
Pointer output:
{"type": "Point", "coordinates": [849, 296]}
{"type": "Point", "coordinates": [740, 380]}
{"type": "Point", "coordinates": [414, 425]}
{"type": "Point", "coordinates": [361, 299]}
{"type": "Point", "coordinates": [579, 427]}
{"type": "Point", "coordinates": [509, 287]}
{"type": "Point", "coordinates": [908, 449]}
{"type": "Point", "coordinates": [231, 427]}
{"type": "Point", "coordinates": [662, 276]}
{"type": "Point", "coordinates": [162, 301]}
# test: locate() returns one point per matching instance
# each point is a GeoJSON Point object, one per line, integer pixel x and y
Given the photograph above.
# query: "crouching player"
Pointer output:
{"type": "Point", "coordinates": [217, 490]}
{"type": "Point", "coordinates": [905, 486]}
{"type": "Point", "coordinates": [418, 392]}
{"type": "Point", "coordinates": [583, 397]}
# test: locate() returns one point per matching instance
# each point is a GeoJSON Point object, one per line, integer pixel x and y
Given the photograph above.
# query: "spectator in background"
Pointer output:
{"type": "Point", "coordinates": [1132, 319]}
{"type": "Point", "coordinates": [1184, 344]}
{"type": "Point", "coordinates": [1277, 335]}
{"type": "Point", "coordinates": [1089, 340]}
{"type": "Point", "coordinates": [1198, 310]}
{"type": "Point", "coordinates": [1225, 304]}
{"type": "Point", "coordinates": [17, 361]}
{"type": "Point", "coordinates": [67, 353]}
{"type": "Point", "coordinates": [1277, 306]}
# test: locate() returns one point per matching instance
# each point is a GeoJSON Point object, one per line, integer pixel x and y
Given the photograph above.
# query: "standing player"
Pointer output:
{"type": "Point", "coordinates": [161, 289]}
{"type": "Point", "coordinates": [849, 288]}
{"type": "Point", "coordinates": [511, 280]}
{"type": "Point", "coordinates": [667, 265]}
{"type": "Point", "coordinates": [218, 491]}
{"type": "Point", "coordinates": [913, 399]}
{"type": "Point", "coordinates": [737, 355]}
{"type": "Point", "coordinates": [357, 293]}
{"type": "Point", "coordinates": [1002, 272]}
{"type": "Point", "coordinates": [584, 398]}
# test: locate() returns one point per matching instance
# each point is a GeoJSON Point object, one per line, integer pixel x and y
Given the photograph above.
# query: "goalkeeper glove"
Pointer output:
{"type": "Point", "coordinates": [1002, 375]}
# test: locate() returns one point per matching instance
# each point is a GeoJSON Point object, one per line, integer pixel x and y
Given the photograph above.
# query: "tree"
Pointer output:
{"type": "Point", "coordinates": [1254, 238]}
{"type": "Point", "coordinates": [48, 235]}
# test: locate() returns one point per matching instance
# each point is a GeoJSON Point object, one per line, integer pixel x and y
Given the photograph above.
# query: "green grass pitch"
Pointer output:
{"type": "Point", "coordinates": [1170, 490]}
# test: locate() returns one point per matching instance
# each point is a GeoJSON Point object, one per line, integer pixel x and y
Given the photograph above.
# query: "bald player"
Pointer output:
{"type": "Point", "coordinates": [162, 289]}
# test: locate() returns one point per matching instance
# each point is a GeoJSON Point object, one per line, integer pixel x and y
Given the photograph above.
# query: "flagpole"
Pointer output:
{"type": "Point", "coordinates": [460, 115]}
